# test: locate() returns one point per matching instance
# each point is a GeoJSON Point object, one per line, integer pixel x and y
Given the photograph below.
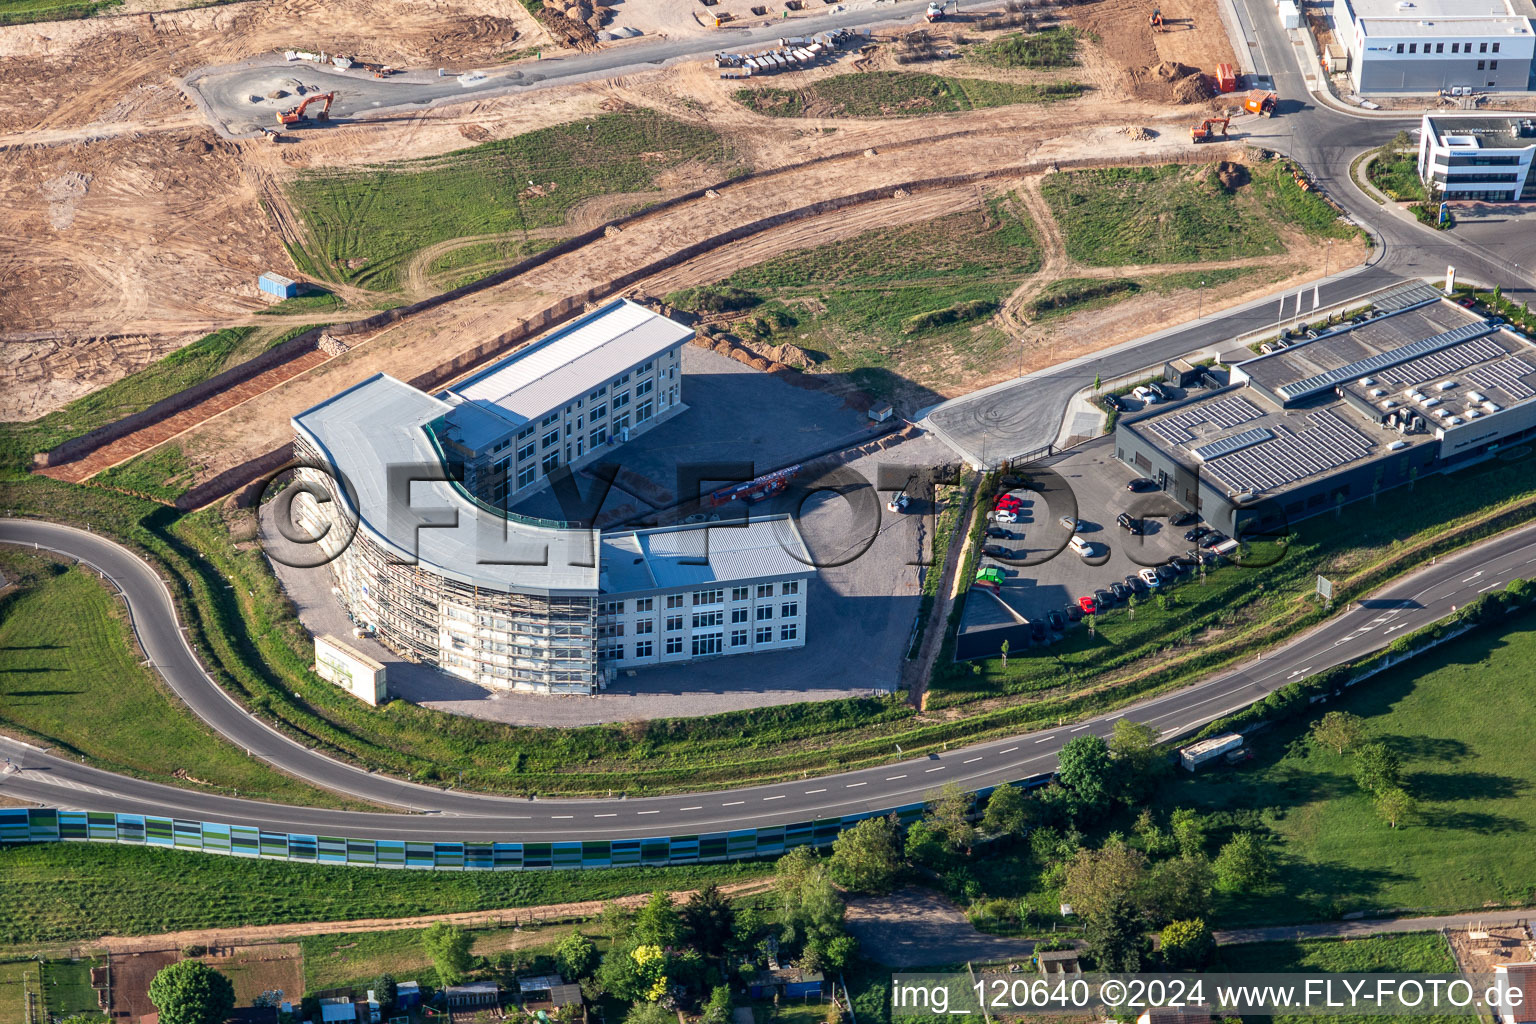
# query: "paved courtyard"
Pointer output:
{"type": "Point", "coordinates": [919, 928]}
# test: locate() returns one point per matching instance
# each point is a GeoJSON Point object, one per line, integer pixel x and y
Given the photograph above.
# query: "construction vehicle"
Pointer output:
{"type": "Point", "coordinates": [295, 116]}
{"type": "Point", "coordinates": [1156, 20]}
{"type": "Point", "coordinates": [1205, 131]}
{"type": "Point", "coordinates": [1257, 101]}
{"type": "Point", "coordinates": [899, 501]}
{"type": "Point", "coordinates": [938, 9]}
{"type": "Point", "coordinates": [272, 134]}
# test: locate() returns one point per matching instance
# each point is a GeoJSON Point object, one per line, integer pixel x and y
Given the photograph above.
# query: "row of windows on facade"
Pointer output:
{"type": "Point", "coordinates": [709, 643]}
{"type": "Point", "coordinates": [596, 412]}
{"type": "Point", "coordinates": [1455, 48]}
{"type": "Point", "coordinates": [704, 620]}
{"type": "Point", "coordinates": [702, 597]}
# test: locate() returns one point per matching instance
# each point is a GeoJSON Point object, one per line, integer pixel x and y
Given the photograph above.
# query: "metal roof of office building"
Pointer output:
{"type": "Point", "coordinates": [570, 362]}
{"type": "Point", "coordinates": [668, 558]}
{"type": "Point", "coordinates": [380, 424]}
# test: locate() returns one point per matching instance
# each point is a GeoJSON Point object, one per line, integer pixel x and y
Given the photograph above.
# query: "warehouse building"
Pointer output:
{"type": "Point", "coordinates": [1479, 156]}
{"type": "Point", "coordinates": [1421, 386]}
{"type": "Point", "coordinates": [1429, 46]}
{"type": "Point", "coordinates": [513, 603]}
{"type": "Point", "coordinates": [564, 399]}
{"type": "Point", "coordinates": [672, 594]}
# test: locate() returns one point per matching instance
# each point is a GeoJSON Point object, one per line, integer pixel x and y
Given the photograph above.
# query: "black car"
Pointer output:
{"type": "Point", "coordinates": [1142, 483]}
{"type": "Point", "coordinates": [1104, 598]}
{"type": "Point", "coordinates": [1056, 620]}
{"type": "Point", "coordinates": [1166, 573]}
{"type": "Point", "coordinates": [1121, 592]}
{"type": "Point", "coordinates": [1212, 538]}
{"type": "Point", "coordinates": [1074, 613]}
{"type": "Point", "coordinates": [1037, 632]}
{"type": "Point", "coordinates": [1113, 402]}
{"type": "Point", "coordinates": [1183, 519]}
{"type": "Point", "coordinates": [1196, 533]}
{"type": "Point", "coordinates": [999, 533]}
{"type": "Point", "coordinates": [1181, 564]}
{"type": "Point", "coordinates": [1130, 523]}
{"type": "Point", "coordinates": [1137, 584]}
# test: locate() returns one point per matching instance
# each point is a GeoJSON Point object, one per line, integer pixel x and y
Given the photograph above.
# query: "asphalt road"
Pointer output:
{"type": "Point", "coordinates": [1428, 594]}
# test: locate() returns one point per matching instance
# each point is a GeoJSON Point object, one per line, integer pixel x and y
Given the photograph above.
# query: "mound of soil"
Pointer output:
{"type": "Point", "coordinates": [1168, 81]}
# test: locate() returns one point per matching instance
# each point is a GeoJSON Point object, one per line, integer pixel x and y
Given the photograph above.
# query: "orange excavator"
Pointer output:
{"type": "Point", "coordinates": [1206, 130]}
{"type": "Point", "coordinates": [296, 115]}
{"type": "Point", "coordinates": [1156, 20]}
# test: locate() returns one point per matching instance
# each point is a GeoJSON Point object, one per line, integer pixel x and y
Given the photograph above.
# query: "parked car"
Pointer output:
{"type": "Point", "coordinates": [1056, 621]}
{"type": "Point", "coordinates": [1130, 523]}
{"type": "Point", "coordinates": [1158, 390]}
{"type": "Point", "coordinates": [1166, 573]}
{"type": "Point", "coordinates": [1212, 538]}
{"type": "Point", "coordinates": [1074, 613]}
{"type": "Point", "coordinates": [1114, 403]}
{"type": "Point", "coordinates": [1183, 519]}
{"type": "Point", "coordinates": [1070, 523]}
{"type": "Point", "coordinates": [1467, 302]}
{"type": "Point", "coordinates": [1142, 483]}
{"type": "Point", "coordinates": [1196, 533]}
{"type": "Point", "coordinates": [997, 551]}
{"type": "Point", "coordinates": [1080, 546]}
{"type": "Point", "coordinates": [1009, 502]}
{"type": "Point", "coordinates": [999, 533]}
{"type": "Point", "coordinates": [1120, 591]}
{"type": "Point", "coordinates": [1181, 565]}
{"type": "Point", "coordinates": [1003, 515]}
{"type": "Point", "coordinates": [1037, 632]}
{"type": "Point", "coordinates": [1137, 584]}
{"type": "Point", "coordinates": [1104, 599]}
{"type": "Point", "coordinates": [1146, 396]}
{"type": "Point", "coordinates": [1088, 605]}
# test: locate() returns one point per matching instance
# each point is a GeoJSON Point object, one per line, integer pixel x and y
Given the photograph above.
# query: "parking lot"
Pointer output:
{"type": "Point", "coordinates": [1043, 573]}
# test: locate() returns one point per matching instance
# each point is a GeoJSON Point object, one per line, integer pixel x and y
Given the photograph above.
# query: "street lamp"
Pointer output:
{"type": "Point", "coordinates": [1200, 306]}
{"type": "Point", "coordinates": [1327, 252]}
{"type": "Point", "coordinates": [1021, 356]}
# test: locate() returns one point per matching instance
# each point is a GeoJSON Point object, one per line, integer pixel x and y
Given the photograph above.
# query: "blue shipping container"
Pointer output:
{"type": "Point", "coordinates": [277, 285]}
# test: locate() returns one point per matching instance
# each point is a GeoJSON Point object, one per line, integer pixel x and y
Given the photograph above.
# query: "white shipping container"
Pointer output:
{"type": "Point", "coordinates": [1196, 754]}
{"type": "Point", "coordinates": [350, 669]}
{"type": "Point", "coordinates": [1290, 15]}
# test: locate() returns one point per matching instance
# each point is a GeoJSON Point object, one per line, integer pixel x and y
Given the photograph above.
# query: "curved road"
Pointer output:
{"type": "Point", "coordinates": [1428, 594]}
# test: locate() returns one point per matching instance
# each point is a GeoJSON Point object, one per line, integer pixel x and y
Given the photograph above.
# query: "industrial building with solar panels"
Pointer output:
{"type": "Point", "coordinates": [1418, 385]}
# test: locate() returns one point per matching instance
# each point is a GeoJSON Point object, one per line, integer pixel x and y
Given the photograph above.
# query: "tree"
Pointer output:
{"type": "Point", "coordinates": [614, 920]}
{"type": "Point", "coordinates": [384, 990]}
{"type": "Point", "coordinates": [1188, 831]}
{"type": "Point", "coordinates": [1243, 864]}
{"type": "Point", "coordinates": [949, 812]}
{"type": "Point", "coordinates": [1133, 742]}
{"type": "Point", "coordinates": [1007, 812]}
{"type": "Point", "coordinates": [1186, 944]}
{"type": "Point", "coordinates": [1098, 880]}
{"type": "Point", "coordinates": [809, 908]}
{"type": "Point", "coordinates": [191, 992]}
{"type": "Point", "coordinates": [867, 857]}
{"type": "Point", "coordinates": [1131, 602]}
{"type": "Point", "coordinates": [1377, 767]}
{"type": "Point", "coordinates": [649, 1013]}
{"type": "Point", "coordinates": [1395, 805]}
{"type": "Point", "coordinates": [1084, 768]}
{"type": "Point", "coordinates": [1005, 653]}
{"type": "Point", "coordinates": [1115, 939]}
{"type": "Point", "coordinates": [718, 1009]}
{"type": "Point", "coordinates": [1179, 888]}
{"type": "Point", "coordinates": [576, 956]}
{"type": "Point", "coordinates": [709, 920]}
{"type": "Point", "coordinates": [1337, 731]}
{"type": "Point", "coordinates": [657, 923]}
{"type": "Point", "coordinates": [746, 927]}
{"type": "Point", "coordinates": [447, 946]}
{"type": "Point", "coordinates": [1155, 840]}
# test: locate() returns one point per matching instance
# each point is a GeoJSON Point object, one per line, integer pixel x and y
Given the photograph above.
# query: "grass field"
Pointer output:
{"type": "Point", "coordinates": [63, 891]}
{"type": "Point", "coordinates": [17, 978]}
{"type": "Point", "coordinates": [319, 300]}
{"type": "Point", "coordinates": [192, 364]}
{"type": "Point", "coordinates": [69, 678]}
{"type": "Point", "coordinates": [898, 94]}
{"type": "Point", "coordinates": [1459, 718]}
{"type": "Point", "coordinates": [361, 225]}
{"type": "Point", "coordinates": [1397, 175]}
{"type": "Point", "coordinates": [355, 959]}
{"type": "Point", "coordinates": [162, 472]}
{"type": "Point", "coordinates": [470, 263]}
{"type": "Point", "coordinates": [67, 989]}
{"type": "Point", "coordinates": [1055, 47]}
{"type": "Point", "coordinates": [17, 12]}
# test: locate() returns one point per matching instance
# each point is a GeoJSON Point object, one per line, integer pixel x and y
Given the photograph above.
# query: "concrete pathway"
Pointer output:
{"type": "Point", "coordinates": [1375, 926]}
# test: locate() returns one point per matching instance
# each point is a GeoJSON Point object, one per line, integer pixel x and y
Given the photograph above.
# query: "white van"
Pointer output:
{"type": "Point", "coordinates": [1080, 546]}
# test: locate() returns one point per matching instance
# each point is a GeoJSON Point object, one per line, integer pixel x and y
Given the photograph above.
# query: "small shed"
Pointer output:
{"type": "Point", "coordinates": [1181, 372]}
{"type": "Point", "coordinates": [548, 990]}
{"type": "Point", "coordinates": [407, 994]}
{"type": "Point", "coordinates": [476, 993]}
{"type": "Point", "coordinates": [338, 1010]}
{"type": "Point", "coordinates": [786, 982]}
{"type": "Point", "coordinates": [1058, 962]}
{"type": "Point", "coordinates": [881, 411]}
{"type": "Point", "coordinates": [1337, 58]}
{"type": "Point", "coordinates": [277, 286]}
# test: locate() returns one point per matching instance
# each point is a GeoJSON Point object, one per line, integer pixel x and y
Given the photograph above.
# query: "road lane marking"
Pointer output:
{"type": "Point", "coordinates": [852, 784]}
{"type": "Point", "coordinates": [1490, 587]}
{"type": "Point", "coordinates": [971, 760]}
{"type": "Point", "coordinates": [893, 778]}
{"type": "Point", "coordinates": [605, 815]}
{"type": "Point", "coordinates": [1043, 739]}
{"type": "Point", "coordinates": [690, 808]}
{"type": "Point", "coordinates": [1009, 750]}
{"type": "Point", "coordinates": [1474, 576]}
{"type": "Point", "coordinates": [928, 770]}
{"type": "Point", "coordinates": [1085, 725]}
{"type": "Point", "coordinates": [734, 803]}
{"type": "Point", "coordinates": [647, 812]}
{"type": "Point", "coordinates": [779, 797]}
{"type": "Point", "coordinates": [558, 817]}
{"type": "Point", "coordinates": [811, 791]}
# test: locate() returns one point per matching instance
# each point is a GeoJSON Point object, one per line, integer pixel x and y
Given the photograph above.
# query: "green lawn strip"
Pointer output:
{"type": "Point", "coordinates": [162, 473]}
{"type": "Point", "coordinates": [1054, 47]}
{"type": "Point", "coordinates": [1290, 204]}
{"type": "Point", "coordinates": [1459, 717]}
{"type": "Point", "coordinates": [898, 94]}
{"type": "Point", "coordinates": [1172, 213]}
{"type": "Point", "coordinates": [363, 224]}
{"type": "Point", "coordinates": [319, 300]}
{"type": "Point", "coordinates": [1397, 175]}
{"type": "Point", "coordinates": [67, 989]}
{"type": "Point", "coordinates": [1237, 610]}
{"type": "Point", "coordinates": [18, 12]}
{"type": "Point", "coordinates": [17, 978]}
{"type": "Point", "coordinates": [355, 959]}
{"type": "Point", "coordinates": [502, 253]}
{"type": "Point", "coordinates": [71, 679]}
{"type": "Point", "coordinates": [60, 891]}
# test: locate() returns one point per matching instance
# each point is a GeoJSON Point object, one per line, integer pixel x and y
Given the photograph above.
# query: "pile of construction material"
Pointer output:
{"type": "Point", "coordinates": [594, 14]}
{"type": "Point", "coordinates": [791, 53]}
{"type": "Point", "coordinates": [1137, 134]}
{"type": "Point", "coordinates": [1174, 82]}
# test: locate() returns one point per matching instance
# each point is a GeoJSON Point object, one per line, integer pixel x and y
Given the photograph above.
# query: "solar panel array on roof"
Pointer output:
{"type": "Point", "coordinates": [1404, 297]}
{"type": "Point", "coordinates": [1223, 412]}
{"type": "Point", "coordinates": [1231, 443]}
{"type": "Point", "coordinates": [1444, 363]}
{"type": "Point", "coordinates": [1373, 364]}
{"type": "Point", "coordinates": [1326, 444]}
{"type": "Point", "coordinates": [1505, 375]}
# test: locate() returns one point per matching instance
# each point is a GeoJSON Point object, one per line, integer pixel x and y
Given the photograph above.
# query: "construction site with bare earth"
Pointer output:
{"type": "Point", "coordinates": [910, 211]}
